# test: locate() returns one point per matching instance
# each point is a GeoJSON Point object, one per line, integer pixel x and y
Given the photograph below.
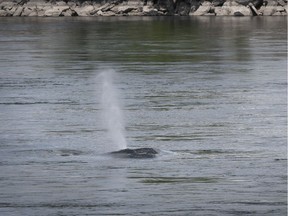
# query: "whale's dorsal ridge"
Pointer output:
{"type": "Point", "coordinates": [136, 153]}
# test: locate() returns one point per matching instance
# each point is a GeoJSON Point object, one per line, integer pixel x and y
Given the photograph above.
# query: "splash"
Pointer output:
{"type": "Point", "coordinates": [112, 112]}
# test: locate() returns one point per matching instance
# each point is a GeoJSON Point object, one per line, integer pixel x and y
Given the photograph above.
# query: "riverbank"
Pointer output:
{"type": "Point", "coordinates": [56, 8]}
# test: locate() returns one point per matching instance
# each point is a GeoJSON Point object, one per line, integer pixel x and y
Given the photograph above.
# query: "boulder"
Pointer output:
{"type": "Point", "coordinates": [280, 9]}
{"type": "Point", "coordinates": [203, 9]}
{"type": "Point", "coordinates": [106, 7]}
{"type": "Point", "coordinates": [61, 3]}
{"type": "Point", "coordinates": [277, 13]}
{"type": "Point", "coordinates": [41, 13]}
{"type": "Point", "coordinates": [27, 11]}
{"type": "Point", "coordinates": [18, 11]}
{"type": "Point", "coordinates": [69, 13]}
{"type": "Point", "coordinates": [124, 9]}
{"type": "Point", "coordinates": [72, 5]}
{"type": "Point", "coordinates": [220, 11]}
{"type": "Point", "coordinates": [235, 9]}
{"type": "Point", "coordinates": [104, 13]}
{"type": "Point", "coordinates": [273, 11]}
{"type": "Point", "coordinates": [99, 13]}
{"type": "Point", "coordinates": [13, 9]}
{"type": "Point", "coordinates": [89, 10]}
{"type": "Point", "coordinates": [149, 10]}
{"type": "Point", "coordinates": [241, 11]}
{"type": "Point", "coordinates": [86, 10]}
{"type": "Point", "coordinates": [7, 5]}
{"type": "Point", "coordinates": [33, 13]}
{"type": "Point", "coordinates": [267, 11]}
{"type": "Point", "coordinates": [254, 9]}
{"type": "Point", "coordinates": [56, 11]}
{"type": "Point", "coordinates": [108, 14]}
{"type": "Point", "coordinates": [142, 7]}
{"type": "Point", "coordinates": [7, 8]}
{"type": "Point", "coordinates": [282, 3]}
{"type": "Point", "coordinates": [4, 13]}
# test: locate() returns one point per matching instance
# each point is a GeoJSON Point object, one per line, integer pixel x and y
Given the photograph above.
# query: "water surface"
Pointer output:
{"type": "Point", "coordinates": [209, 93]}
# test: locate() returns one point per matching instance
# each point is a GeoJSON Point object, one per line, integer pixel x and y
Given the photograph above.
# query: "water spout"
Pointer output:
{"type": "Point", "coordinates": [113, 119]}
{"type": "Point", "coordinates": [112, 112]}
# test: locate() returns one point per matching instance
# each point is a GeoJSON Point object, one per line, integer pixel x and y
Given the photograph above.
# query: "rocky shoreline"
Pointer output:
{"type": "Point", "coordinates": [55, 8]}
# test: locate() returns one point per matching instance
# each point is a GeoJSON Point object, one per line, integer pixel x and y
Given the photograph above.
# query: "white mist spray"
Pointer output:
{"type": "Point", "coordinates": [113, 117]}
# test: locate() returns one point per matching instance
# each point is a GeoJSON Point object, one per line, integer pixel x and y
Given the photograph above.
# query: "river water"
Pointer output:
{"type": "Point", "coordinates": [209, 93]}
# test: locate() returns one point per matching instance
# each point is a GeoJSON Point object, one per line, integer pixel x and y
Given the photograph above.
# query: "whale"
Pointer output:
{"type": "Point", "coordinates": [135, 153]}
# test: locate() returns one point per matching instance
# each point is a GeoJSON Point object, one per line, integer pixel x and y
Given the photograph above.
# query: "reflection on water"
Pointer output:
{"type": "Point", "coordinates": [208, 93]}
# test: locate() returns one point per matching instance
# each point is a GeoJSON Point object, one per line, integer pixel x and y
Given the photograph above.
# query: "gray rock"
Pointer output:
{"type": "Point", "coordinates": [142, 7]}
{"type": "Point", "coordinates": [27, 10]}
{"type": "Point", "coordinates": [86, 10]}
{"type": "Point", "coordinates": [268, 10]}
{"type": "Point", "coordinates": [273, 11]}
{"type": "Point", "coordinates": [72, 5]}
{"type": "Point", "coordinates": [282, 3]}
{"type": "Point", "coordinates": [245, 11]}
{"type": "Point", "coordinates": [34, 13]}
{"type": "Point", "coordinates": [220, 11]}
{"type": "Point", "coordinates": [41, 13]}
{"type": "Point", "coordinates": [124, 9]}
{"type": "Point", "coordinates": [277, 13]}
{"type": "Point", "coordinates": [4, 13]}
{"type": "Point", "coordinates": [12, 10]}
{"type": "Point", "coordinates": [18, 11]}
{"type": "Point", "coordinates": [56, 11]}
{"type": "Point", "coordinates": [235, 9]}
{"type": "Point", "coordinates": [69, 13]}
{"type": "Point", "coordinates": [99, 13]}
{"type": "Point", "coordinates": [108, 14]}
{"type": "Point", "coordinates": [106, 7]}
{"type": "Point", "coordinates": [7, 5]}
{"type": "Point", "coordinates": [203, 9]}
{"type": "Point", "coordinates": [254, 9]}
{"type": "Point", "coordinates": [61, 3]}
{"type": "Point", "coordinates": [237, 13]}
{"type": "Point", "coordinates": [149, 11]}
{"type": "Point", "coordinates": [280, 9]}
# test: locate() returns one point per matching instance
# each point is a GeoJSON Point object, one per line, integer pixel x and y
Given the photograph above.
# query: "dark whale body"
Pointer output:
{"type": "Point", "coordinates": [136, 153]}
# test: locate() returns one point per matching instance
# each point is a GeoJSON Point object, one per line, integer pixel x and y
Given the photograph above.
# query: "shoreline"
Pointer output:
{"type": "Point", "coordinates": [58, 8]}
